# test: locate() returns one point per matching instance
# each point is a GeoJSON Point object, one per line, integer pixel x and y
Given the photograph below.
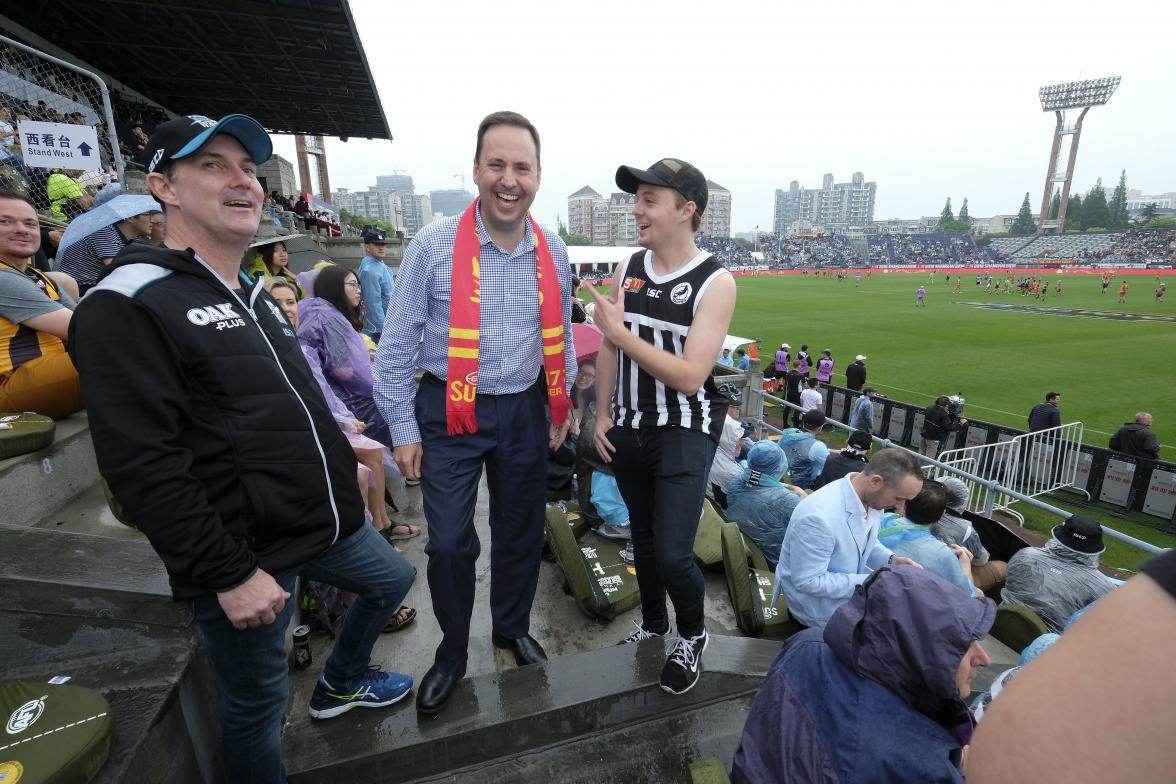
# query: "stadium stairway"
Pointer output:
{"type": "Point", "coordinates": [83, 596]}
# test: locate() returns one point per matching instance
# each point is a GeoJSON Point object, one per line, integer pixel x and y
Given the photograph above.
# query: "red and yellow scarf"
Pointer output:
{"type": "Point", "coordinates": [465, 312]}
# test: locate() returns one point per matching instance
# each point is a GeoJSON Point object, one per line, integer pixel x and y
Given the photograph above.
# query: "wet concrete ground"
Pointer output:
{"type": "Point", "coordinates": [556, 622]}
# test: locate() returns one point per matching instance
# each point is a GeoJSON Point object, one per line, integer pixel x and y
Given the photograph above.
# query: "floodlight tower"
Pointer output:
{"type": "Point", "coordinates": [304, 148]}
{"type": "Point", "coordinates": [1058, 98]}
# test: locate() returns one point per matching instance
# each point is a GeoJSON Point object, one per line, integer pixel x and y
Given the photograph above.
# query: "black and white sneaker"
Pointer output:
{"type": "Point", "coordinates": [684, 663]}
{"type": "Point", "coordinates": [639, 634]}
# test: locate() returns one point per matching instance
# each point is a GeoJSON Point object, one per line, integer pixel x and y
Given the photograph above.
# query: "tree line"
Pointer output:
{"type": "Point", "coordinates": [1092, 212]}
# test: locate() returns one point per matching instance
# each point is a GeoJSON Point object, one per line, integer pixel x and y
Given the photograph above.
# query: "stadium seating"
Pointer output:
{"type": "Point", "coordinates": [940, 248]}
{"type": "Point", "coordinates": [1153, 246]}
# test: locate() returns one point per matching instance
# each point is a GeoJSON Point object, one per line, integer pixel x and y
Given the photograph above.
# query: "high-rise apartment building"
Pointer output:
{"type": "Point", "coordinates": [716, 218]}
{"type": "Point", "coordinates": [835, 206]}
{"type": "Point", "coordinates": [622, 226]}
{"type": "Point", "coordinates": [394, 183]}
{"type": "Point", "coordinates": [451, 202]}
{"type": "Point", "coordinates": [610, 221]}
{"type": "Point", "coordinates": [371, 203]}
{"type": "Point", "coordinates": [417, 211]}
{"type": "Point", "coordinates": [581, 209]}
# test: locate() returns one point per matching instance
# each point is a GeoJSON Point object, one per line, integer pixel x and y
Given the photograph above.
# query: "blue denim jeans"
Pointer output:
{"type": "Point", "coordinates": [250, 664]}
{"type": "Point", "coordinates": [663, 475]}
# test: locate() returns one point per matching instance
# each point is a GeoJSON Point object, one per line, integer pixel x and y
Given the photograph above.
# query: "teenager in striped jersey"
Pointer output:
{"type": "Point", "coordinates": [663, 327]}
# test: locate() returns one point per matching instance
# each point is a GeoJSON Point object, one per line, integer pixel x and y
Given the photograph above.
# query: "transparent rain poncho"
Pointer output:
{"type": "Point", "coordinates": [344, 359]}
{"type": "Point", "coordinates": [1054, 581]}
{"type": "Point", "coordinates": [761, 507]}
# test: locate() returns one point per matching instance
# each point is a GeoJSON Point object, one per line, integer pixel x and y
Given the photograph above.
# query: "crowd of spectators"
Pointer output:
{"type": "Point", "coordinates": [1147, 246]}
{"type": "Point", "coordinates": [845, 567]}
{"type": "Point", "coordinates": [826, 250]}
{"type": "Point", "coordinates": [947, 248]}
{"type": "Point", "coordinates": [728, 251]}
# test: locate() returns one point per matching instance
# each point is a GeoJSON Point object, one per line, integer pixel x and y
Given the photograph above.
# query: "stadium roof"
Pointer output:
{"type": "Point", "coordinates": [296, 65]}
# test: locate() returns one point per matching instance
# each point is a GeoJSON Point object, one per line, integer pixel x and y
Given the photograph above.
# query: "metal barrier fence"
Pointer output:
{"type": "Point", "coordinates": [1130, 483]}
{"type": "Point", "coordinates": [1036, 463]}
{"type": "Point", "coordinates": [992, 486]}
{"type": "Point", "coordinates": [39, 87]}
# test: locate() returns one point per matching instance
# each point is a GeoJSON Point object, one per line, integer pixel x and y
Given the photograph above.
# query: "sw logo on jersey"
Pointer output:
{"type": "Point", "coordinates": [633, 284]}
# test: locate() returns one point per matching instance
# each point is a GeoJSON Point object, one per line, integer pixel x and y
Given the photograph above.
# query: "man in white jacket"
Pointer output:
{"type": "Point", "coordinates": [832, 546]}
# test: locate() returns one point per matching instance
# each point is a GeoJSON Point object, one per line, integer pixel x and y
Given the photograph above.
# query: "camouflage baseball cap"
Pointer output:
{"type": "Point", "coordinates": [683, 177]}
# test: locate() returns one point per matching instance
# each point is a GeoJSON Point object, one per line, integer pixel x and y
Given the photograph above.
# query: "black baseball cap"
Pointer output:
{"type": "Point", "coordinates": [813, 418]}
{"type": "Point", "coordinates": [186, 135]}
{"type": "Point", "coordinates": [375, 237]}
{"type": "Point", "coordinates": [667, 173]}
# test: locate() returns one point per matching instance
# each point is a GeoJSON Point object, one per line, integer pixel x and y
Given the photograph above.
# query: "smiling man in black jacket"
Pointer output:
{"type": "Point", "coordinates": [215, 439]}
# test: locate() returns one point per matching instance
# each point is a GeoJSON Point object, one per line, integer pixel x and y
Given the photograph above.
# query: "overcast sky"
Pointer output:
{"type": "Point", "coordinates": [928, 99]}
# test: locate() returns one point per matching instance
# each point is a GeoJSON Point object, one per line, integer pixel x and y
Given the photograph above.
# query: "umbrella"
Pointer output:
{"type": "Point", "coordinates": [282, 238]}
{"type": "Point", "coordinates": [587, 338]}
{"type": "Point", "coordinates": [117, 209]}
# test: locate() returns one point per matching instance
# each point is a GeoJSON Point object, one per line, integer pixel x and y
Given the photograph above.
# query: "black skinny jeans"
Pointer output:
{"type": "Point", "coordinates": [662, 475]}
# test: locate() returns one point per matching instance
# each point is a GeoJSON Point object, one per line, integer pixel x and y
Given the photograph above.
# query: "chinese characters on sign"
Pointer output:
{"type": "Point", "coordinates": [59, 145]}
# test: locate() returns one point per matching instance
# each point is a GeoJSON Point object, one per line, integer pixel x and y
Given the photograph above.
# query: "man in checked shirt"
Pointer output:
{"type": "Point", "coordinates": [507, 391]}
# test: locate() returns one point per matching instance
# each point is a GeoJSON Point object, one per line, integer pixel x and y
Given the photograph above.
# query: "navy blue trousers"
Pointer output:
{"type": "Point", "coordinates": [511, 443]}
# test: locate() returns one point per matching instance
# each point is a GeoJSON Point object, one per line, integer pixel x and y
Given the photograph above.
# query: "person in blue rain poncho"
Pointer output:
{"type": "Point", "coordinates": [759, 503]}
{"type": "Point", "coordinates": [910, 535]}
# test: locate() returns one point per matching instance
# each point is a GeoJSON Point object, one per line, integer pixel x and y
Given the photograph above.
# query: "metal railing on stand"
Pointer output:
{"type": "Point", "coordinates": [992, 485]}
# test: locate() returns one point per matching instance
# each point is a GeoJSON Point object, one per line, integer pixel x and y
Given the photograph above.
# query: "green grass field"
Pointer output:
{"type": "Point", "coordinates": [1002, 361]}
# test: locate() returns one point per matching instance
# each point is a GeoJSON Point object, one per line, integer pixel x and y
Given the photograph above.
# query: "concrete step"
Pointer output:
{"type": "Point", "coordinates": [159, 686]}
{"type": "Point", "coordinates": [55, 573]}
{"type": "Point", "coordinates": [36, 485]}
{"type": "Point", "coordinates": [501, 726]}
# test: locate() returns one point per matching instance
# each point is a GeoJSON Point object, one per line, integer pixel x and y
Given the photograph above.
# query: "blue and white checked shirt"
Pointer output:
{"type": "Point", "coordinates": [511, 350]}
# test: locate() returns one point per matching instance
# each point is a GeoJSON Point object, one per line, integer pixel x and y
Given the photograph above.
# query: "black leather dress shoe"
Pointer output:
{"type": "Point", "coordinates": [526, 650]}
{"type": "Point", "coordinates": [436, 688]}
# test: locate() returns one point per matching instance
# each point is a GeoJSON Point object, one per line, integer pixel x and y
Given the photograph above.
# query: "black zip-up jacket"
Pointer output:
{"type": "Point", "coordinates": [207, 424]}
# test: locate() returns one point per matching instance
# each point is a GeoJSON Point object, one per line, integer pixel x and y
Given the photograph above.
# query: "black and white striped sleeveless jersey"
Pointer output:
{"type": "Point", "coordinates": [660, 311]}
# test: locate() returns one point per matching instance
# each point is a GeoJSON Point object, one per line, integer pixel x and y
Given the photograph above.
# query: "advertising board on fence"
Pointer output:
{"type": "Point", "coordinates": [1160, 499]}
{"type": "Point", "coordinates": [1116, 486]}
